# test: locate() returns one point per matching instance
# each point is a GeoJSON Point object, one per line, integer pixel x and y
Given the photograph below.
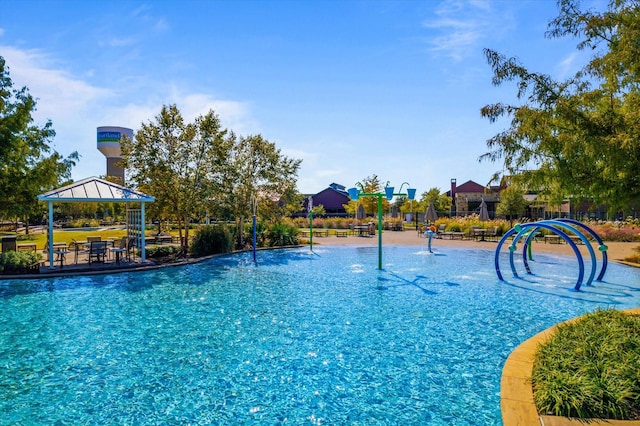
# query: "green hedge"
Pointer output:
{"type": "Point", "coordinates": [15, 261]}
{"type": "Point", "coordinates": [211, 239]}
{"type": "Point", "coordinates": [282, 235]}
{"type": "Point", "coordinates": [155, 252]}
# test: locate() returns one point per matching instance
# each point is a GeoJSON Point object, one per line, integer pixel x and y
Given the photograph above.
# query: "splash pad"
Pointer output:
{"type": "Point", "coordinates": [568, 230]}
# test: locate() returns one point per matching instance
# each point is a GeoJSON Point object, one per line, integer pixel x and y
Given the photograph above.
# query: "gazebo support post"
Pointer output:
{"type": "Point", "coordinates": [50, 231]}
{"type": "Point", "coordinates": [143, 243]}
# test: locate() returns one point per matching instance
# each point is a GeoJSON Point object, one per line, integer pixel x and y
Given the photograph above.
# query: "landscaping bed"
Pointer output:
{"type": "Point", "coordinates": [590, 368]}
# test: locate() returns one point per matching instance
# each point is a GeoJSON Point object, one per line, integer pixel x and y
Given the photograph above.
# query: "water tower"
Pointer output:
{"type": "Point", "coordinates": [109, 144]}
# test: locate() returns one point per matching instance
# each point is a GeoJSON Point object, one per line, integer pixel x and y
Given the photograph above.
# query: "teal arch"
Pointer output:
{"type": "Point", "coordinates": [602, 247]}
{"type": "Point", "coordinates": [560, 228]}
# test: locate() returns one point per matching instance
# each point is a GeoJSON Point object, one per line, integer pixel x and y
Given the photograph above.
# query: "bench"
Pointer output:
{"type": "Point", "coordinates": [341, 232]}
{"type": "Point", "coordinates": [453, 235]}
{"type": "Point", "coordinates": [552, 238]}
{"type": "Point", "coordinates": [27, 247]}
{"type": "Point", "coordinates": [161, 239]}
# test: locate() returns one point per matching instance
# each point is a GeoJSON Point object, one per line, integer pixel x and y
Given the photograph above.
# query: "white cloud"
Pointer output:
{"type": "Point", "coordinates": [568, 65]}
{"type": "Point", "coordinates": [143, 13]}
{"type": "Point", "coordinates": [234, 115]}
{"type": "Point", "coordinates": [57, 92]}
{"type": "Point", "coordinates": [76, 107]}
{"type": "Point", "coordinates": [460, 26]}
{"type": "Point", "coordinates": [118, 42]}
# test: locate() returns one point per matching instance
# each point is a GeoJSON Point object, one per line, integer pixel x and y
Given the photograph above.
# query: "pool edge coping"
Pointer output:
{"type": "Point", "coordinates": [133, 267]}
{"type": "Point", "coordinates": [516, 393]}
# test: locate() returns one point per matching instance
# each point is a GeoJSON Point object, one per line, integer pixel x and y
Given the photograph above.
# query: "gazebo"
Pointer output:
{"type": "Point", "coordinates": [98, 190]}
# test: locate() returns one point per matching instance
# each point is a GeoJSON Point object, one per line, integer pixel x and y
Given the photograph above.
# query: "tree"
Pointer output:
{"type": "Point", "coordinates": [319, 210]}
{"type": "Point", "coordinates": [512, 203]}
{"type": "Point", "coordinates": [258, 169]}
{"type": "Point", "coordinates": [181, 164]}
{"type": "Point", "coordinates": [200, 169]}
{"type": "Point", "coordinates": [369, 185]}
{"type": "Point", "coordinates": [28, 165]}
{"type": "Point", "coordinates": [579, 137]}
{"type": "Point", "coordinates": [442, 202]}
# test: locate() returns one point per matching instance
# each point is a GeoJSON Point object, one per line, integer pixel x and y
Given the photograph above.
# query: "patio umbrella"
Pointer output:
{"type": "Point", "coordinates": [360, 212]}
{"type": "Point", "coordinates": [484, 213]}
{"type": "Point", "coordinates": [431, 214]}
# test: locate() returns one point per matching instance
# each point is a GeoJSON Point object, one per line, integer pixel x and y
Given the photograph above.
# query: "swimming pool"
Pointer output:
{"type": "Point", "coordinates": [303, 338]}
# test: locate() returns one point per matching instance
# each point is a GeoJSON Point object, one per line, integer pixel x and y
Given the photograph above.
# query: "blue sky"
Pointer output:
{"type": "Point", "coordinates": [353, 88]}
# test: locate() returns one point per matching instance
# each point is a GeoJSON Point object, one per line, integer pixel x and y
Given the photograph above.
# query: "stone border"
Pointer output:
{"type": "Point", "coordinates": [516, 391]}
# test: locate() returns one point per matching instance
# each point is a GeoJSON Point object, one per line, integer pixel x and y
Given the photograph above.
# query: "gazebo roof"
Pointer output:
{"type": "Point", "coordinates": [94, 189]}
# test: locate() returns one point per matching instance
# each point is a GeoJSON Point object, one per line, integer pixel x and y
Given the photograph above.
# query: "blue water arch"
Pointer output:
{"type": "Point", "coordinates": [602, 247]}
{"type": "Point", "coordinates": [558, 227]}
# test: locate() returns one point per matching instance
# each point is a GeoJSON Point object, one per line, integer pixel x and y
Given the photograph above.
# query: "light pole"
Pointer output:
{"type": "Point", "coordinates": [355, 194]}
{"type": "Point", "coordinates": [310, 208]}
{"type": "Point", "coordinates": [254, 208]}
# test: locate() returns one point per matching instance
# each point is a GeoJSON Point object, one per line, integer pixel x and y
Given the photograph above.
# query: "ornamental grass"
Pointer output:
{"type": "Point", "coordinates": [590, 368]}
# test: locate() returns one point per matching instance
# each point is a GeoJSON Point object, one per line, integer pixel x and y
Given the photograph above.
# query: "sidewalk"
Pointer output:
{"type": "Point", "coordinates": [617, 251]}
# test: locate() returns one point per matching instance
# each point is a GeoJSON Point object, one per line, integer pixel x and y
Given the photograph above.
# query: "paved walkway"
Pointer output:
{"type": "Point", "coordinates": [616, 250]}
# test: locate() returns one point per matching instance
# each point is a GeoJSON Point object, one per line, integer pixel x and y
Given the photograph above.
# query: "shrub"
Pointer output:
{"type": "Point", "coordinates": [15, 261]}
{"type": "Point", "coordinates": [634, 258]}
{"type": "Point", "coordinates": [247, 234]}
{"type": "Point", "coordinates": [212, 239]}
{"type": "Point", "coordinates": [589, 368]}
{"type": "Point", "coordinates": [282, 235]}
{"type": "Point", "coordinates": [301, 222]}
{"type": "Point", "coordinates": [156, 252]}
{"type": "Point", "coordinates": [84, 223]}
{"type": "Point", "coordinates": [611, 232]}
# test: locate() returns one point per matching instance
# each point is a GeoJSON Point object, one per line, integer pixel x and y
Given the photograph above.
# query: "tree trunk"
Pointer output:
{"type": "Point", "coordinates": [240, 229]}
{"type": "Point", "coordinates": [180, 231]}
{"type": "Point", "coordinates": [185, 245]}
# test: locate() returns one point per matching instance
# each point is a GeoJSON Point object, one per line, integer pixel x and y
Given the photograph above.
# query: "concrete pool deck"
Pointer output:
{"type": "Point", "coordinates": [617, 251]}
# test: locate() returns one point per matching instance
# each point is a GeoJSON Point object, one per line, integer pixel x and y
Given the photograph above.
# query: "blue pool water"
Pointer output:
{"type": "Point", "coordinates": [303, 338]}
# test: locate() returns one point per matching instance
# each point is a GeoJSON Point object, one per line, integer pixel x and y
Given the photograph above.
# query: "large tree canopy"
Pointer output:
{"type": "Point", "coordinates": [262, 171]}
{"type": "Point", "coordinates": [197, 169]}
{"type": "Point", "coordinates": [579, 137]}
{"type": "Point", "coordinates": [180, 163]}
{"type": "Point", "coordinates": [28, 166]}
{"type": "Point", "coordinates": [441, 201]}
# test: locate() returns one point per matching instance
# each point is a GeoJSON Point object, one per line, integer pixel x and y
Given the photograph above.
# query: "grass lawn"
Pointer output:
{"type": "Point", "coordinates": [40, 239]}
